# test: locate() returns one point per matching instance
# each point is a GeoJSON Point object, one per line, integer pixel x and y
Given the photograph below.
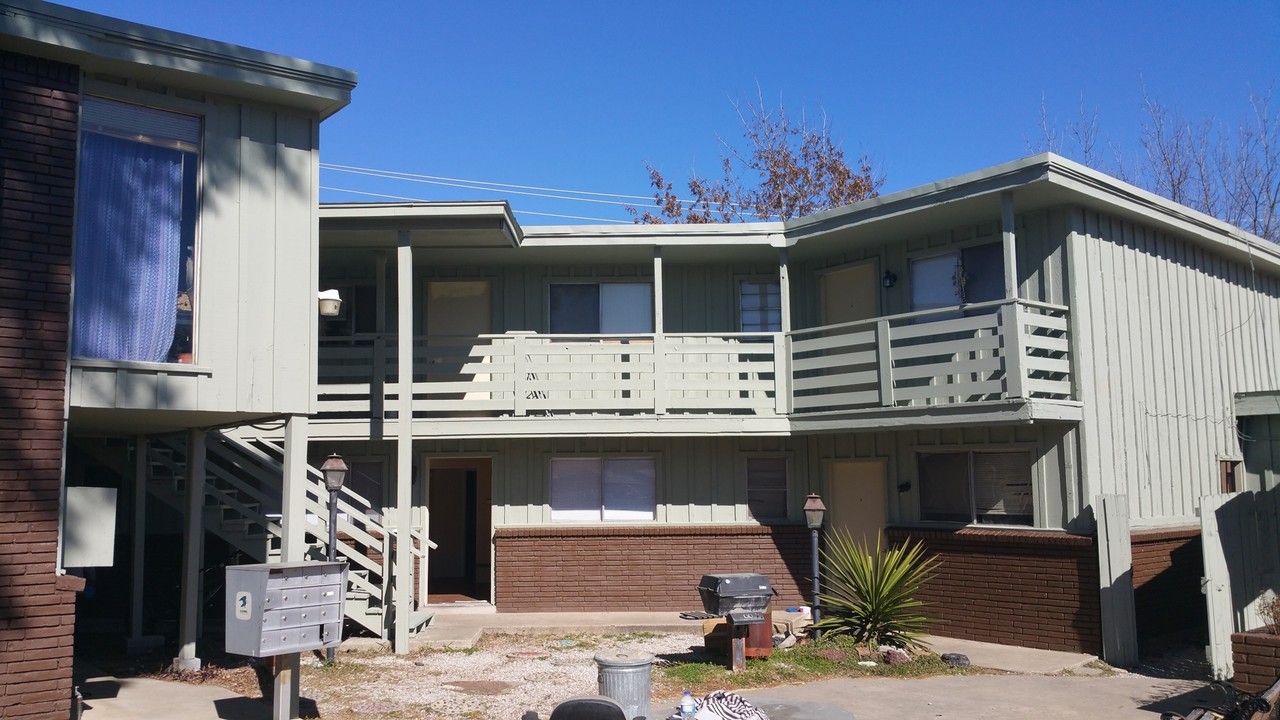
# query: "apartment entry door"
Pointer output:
{"type": "Point", "coordinates": [459, 506]}
{"type": "Point", "coordinates": [858, 497]}
{"type": "Point", "coordinates": [850, 293]}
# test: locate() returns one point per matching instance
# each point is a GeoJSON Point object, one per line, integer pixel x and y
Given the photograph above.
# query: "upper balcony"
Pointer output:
{"type": "Point", "coordinates": [1001, 361]}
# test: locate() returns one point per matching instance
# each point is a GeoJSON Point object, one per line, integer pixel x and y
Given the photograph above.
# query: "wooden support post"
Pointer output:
{"type": "Point", "coordinates": [1008, 235]}
{"type": "Point", "coordinates": [1010, 320]}
{"type": "Point", "coordinates": [784, 289]}
{"type": "Point", "coordinates": [293, 496]}
{"type": "Point", "coordinates": [192, 552]}
{"type": "Point", "coordinates": [403, 589]}
{"type": "Point", "coordinates": [136, 591]}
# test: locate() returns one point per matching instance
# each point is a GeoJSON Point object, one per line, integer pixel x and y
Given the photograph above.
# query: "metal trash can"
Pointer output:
{"type": "Point", "coordinates": [626, 678]}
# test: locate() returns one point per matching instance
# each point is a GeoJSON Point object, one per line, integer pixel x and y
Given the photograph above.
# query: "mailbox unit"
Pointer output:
{"type": "Point", "coordinates": [279, 608]}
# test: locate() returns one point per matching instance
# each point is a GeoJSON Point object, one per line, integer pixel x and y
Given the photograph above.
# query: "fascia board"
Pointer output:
{"type": "Point", "coordinates": [108, 44]}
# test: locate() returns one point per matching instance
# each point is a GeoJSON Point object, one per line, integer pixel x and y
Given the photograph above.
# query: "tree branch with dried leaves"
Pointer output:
{"type": "Point", "coordinates": [787, 168]}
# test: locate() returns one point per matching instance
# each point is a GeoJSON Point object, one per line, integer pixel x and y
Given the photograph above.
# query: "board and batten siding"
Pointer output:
{"type": "Point", "coordinates": [1164, 332]}
{"type": "Point", "coordinates": [698, 298]}
{"type": "Point", "coordinates": [255, 318]}
{"type": "Point", "coordinates": [1041, 263]}
{"type": "Point", "coordinates": [1052, 446]}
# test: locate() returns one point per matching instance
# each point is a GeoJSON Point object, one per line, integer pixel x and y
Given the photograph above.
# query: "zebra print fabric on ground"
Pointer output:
{"type": "Point", "coordinates": [728, 706]}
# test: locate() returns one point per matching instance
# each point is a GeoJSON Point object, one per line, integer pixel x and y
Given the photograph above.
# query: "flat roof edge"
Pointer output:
{"type": "Point", "coordinates": [75, 36]}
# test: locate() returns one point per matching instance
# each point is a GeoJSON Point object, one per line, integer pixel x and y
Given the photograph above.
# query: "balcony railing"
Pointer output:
{"type": "Point", "coordinates": [981, 352]}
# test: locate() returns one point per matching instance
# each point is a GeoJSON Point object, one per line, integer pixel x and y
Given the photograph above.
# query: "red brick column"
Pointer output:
{"type": "Point", "coordinates": [603, 568]}
{"type": "Point", "coordinates": [1015, 587]}
{"type": "Point", "coordinates": [1256, 656]}
{"type": "Point", "coordinates": [37, 186]}
{"type": "Point", "coordinates": [1167, 567]}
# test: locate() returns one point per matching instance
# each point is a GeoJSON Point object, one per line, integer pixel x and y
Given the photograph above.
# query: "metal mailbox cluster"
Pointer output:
{"type": "Point", "coordinates": [280, 608]}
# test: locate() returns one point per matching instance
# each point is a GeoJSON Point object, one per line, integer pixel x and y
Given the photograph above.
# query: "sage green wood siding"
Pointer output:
{"type": "Point", "coordinates": [1042, 268]}
{"type": "Point", "coordinates": [1164, 333]}
{"type": "Point", "coordinates": [699, 480]}
{"type": "Point", "coordinates": [255, 318]}
{"type": "Point", "coordinates": [1054, 476]}
{"type": "Point", "coordinates": [697, 298]}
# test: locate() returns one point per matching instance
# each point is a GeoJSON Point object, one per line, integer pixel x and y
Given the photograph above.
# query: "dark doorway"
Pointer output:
{"type": "Point", "coordinates": [459, 502]}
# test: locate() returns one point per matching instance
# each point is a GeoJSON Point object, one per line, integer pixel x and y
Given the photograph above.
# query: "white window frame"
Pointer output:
{"type": "Point", "coordinates": [596, 508]}
{"type": "Point", "coordinates": [974, 517]}
{"type": "Point", "coordinates": [786, 486]}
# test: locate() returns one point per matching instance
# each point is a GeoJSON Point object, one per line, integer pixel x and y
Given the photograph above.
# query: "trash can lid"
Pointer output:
{"type": "Point", "coordinates": [622, 658]}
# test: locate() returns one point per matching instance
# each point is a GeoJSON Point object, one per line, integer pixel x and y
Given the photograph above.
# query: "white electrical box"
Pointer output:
{"type": "Point", "coordinates": [280, 608]}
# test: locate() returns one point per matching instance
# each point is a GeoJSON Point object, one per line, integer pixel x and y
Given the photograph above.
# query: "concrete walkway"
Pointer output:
{"type": "Point", "coordinates": [1041, 693]}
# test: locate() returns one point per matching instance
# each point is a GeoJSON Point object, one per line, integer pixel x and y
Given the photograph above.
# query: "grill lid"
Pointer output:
{"type": "Point", "coordinates": [736, 584]}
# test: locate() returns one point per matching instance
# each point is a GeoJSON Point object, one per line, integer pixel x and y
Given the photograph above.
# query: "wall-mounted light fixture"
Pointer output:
{"type": "Point", "coordinates": [904, 487]}
{"type": "Point", "coordinates": [330, 303]}
{"type": "Point", "coordinates": [889, 279]}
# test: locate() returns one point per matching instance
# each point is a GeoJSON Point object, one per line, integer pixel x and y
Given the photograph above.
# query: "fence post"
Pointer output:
{"type": "Point", "coordinates": [884, 362]}
{"type": "Point", "coordinates": [1115, 580]}
{"type": "Point", "coordinates": [1011, 341]}
{"type": "Point", "coordinates": [521, 380]}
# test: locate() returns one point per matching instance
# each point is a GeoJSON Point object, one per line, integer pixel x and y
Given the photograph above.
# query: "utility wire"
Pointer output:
{"type": "Point", "coordinates": [385, 196]}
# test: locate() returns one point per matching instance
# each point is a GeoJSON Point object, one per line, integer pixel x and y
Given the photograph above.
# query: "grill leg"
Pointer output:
{"type": "Point", "coordinates": [738, 646]}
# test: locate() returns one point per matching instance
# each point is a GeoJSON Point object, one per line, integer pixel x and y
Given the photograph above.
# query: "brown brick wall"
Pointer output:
{"type": "Point", "coordinates": [1013, 587]}
{"type": "Point", "coordinates": [1167, 567]}
{"type": "Point", "coordinates": [1256, 656]}
{"type": "Point", "coordinates": [633, 568]}
{"type": "Point", "coordinates": [38, 106]}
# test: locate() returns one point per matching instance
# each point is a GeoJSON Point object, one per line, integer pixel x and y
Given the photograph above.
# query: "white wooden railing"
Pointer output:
{"type": "Point", "coordinates": [979, 352]}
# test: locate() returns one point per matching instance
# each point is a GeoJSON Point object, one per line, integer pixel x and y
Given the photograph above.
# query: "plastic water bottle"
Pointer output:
{"type": "Point", "coordinates": [688, 708]}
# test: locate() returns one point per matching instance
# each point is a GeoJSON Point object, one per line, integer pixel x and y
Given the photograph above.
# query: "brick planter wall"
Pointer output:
{"type": "Point", "coordinates": [1256, 656]}
{"type": "Point", "coordinates": [37, 185]}
{"type": "Point", "coordinates": [641, 568]}
{"type": "Point", "coordinates": [1013, 587]}
{"type": "Point", "coordinates": [1167, 567]}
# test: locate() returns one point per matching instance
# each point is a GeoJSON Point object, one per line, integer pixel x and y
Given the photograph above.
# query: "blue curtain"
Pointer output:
{"type": "Point", "coordinates": [128, 244]}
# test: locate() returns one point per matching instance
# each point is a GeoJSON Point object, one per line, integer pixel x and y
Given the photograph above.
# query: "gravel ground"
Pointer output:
{"type": "Point", "coordinates": [503, 677]}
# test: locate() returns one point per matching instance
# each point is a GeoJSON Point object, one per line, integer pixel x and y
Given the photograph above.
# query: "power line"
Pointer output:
{"type": "Point", "coordinates": [506, 188]}
{"type": "Point", "coordinates": [518, 212]}
{"type": "Point", "coordinates": [408, 175]}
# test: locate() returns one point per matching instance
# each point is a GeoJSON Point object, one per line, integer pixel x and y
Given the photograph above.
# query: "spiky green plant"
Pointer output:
{"type": "Point", "coordinates": [872, 595]}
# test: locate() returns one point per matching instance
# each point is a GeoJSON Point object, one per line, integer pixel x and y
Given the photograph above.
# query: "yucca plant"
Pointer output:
{"type": "Point", "coordinates": [870, 595]}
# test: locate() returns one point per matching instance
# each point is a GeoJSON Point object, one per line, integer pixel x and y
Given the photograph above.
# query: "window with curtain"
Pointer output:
{"type": "Point", "coordinates": [767, 488]}
{"type": "Point", "coordinates": [615, 308]}
{"type": "Point", "coordinates": [602, 489]}
{"type": "Point", "coordinates": [136, 212]}
{"type": "Point", "coordinates": [970, 275]}
{"type": "Point", "coordinates": [980, 486]}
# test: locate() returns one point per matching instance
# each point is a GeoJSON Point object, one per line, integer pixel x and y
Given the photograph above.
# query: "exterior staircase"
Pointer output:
{"type": "Point", "coordinates": [242, 506]}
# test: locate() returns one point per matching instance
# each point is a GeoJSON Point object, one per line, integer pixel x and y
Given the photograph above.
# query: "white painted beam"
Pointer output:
{"type": "Point", "coordinates": [402, 599]}
{"type": "Point", "coordinates": [294, 490]}
{"type": "Point", "coordinates": [192, 552]}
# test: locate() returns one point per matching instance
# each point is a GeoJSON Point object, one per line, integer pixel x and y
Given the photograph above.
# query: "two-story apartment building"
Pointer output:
{"type": "Point", "coordinates": [589, 418]}
{"type": "Point", "coordinates": [158, 262]}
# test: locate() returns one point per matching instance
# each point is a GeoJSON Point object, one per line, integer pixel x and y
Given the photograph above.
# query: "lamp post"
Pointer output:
{"type": "Point", "coordinates": [334, 470]}
{"type": "Point", "coordinates": [813, 512]}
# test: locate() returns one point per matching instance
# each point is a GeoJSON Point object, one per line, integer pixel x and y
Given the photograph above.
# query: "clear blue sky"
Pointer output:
{"type": "Point", "coordinates": [580, 95]}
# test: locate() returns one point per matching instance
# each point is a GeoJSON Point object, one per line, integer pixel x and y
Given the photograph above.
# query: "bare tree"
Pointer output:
{"type": "Point", "coordinates": [787, 168]}
{"type": "Point", "coordinates": [1230, 173]}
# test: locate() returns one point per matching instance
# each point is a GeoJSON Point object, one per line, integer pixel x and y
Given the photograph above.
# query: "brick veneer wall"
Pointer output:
{"type": "Point", "coordinates": [1167, 567]}
{"type": "Point", "coordinates": [38, 107]}
{"type": "Point", "coordinates": [640, 568]}
{"type": "Point", "coordinates": [1014, 587]}
{"type": "Point", "coordinates": [1256, 657]}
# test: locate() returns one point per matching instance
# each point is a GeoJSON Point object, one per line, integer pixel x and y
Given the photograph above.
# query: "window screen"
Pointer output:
{"type": "Point", "coordinates": [594, 489]}
{"type": "Point", "coordinates": [944, 487]}
{"type": "Point", "coordinates": [767, 488]}
{"type": "Point", "coordinates": [976, 487]}
{"type": "Point", "coordinates": [760, 306]}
